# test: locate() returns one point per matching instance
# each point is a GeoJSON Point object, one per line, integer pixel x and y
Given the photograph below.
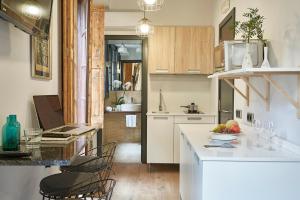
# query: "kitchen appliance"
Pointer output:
{"type": "Point", "coordinates": [31, 16]}
{"type": "Point", "coordinates": [235, 50]}
{"type": "Point", "coordinates": [192, 109]}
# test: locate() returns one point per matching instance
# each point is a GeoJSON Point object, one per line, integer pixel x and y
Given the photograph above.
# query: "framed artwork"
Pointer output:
{"type": "Point", "coordinates": [41, 58]}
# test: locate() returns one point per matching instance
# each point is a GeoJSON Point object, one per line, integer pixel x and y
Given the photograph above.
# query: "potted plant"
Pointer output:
{"type": "Point", "coordinates": [251, 28]}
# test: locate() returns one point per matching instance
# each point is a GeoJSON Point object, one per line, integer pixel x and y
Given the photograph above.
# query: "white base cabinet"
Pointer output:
{"type": "Point", "coordinates": [163, 136]}
{"type": "Point", "coordinates": [160, 139]}
{"type": "Point", "coordinates": [235, 180]}
{"type": "Point", "coordinates": [190, 172]}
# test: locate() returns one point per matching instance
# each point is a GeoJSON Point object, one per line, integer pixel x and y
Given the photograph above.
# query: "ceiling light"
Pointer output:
{"type": "Point", "coordinates": [122, 49]}
{"type": "Point", "coordinates": [150, 5]}
{"type": "Point", "coordinates": [144, 27]}
{"type": "Point", "coordinates": [32, 10]}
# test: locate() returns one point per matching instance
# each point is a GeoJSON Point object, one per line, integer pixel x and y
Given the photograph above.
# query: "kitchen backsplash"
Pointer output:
{"type": "Point", "coordinates": [179, 90]}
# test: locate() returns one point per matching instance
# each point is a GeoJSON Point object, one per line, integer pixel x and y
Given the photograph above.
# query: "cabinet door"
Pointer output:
{"type": "Point", "coordinates": [160, 139]}
{"type": "Point", "coordinates": [183, 174]}
{"type": "Point", "coordinates": [176, 144]}
{"type": "Point", "coordinates": [161, 50]}
{"type": "Point", "coordinates": [197, 178]}
{"type": "Point", "coordinates": [194, 50]}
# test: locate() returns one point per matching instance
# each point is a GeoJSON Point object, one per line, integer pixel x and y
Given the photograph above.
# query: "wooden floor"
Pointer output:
{"type": "Point", "coordinates": [136, 182]}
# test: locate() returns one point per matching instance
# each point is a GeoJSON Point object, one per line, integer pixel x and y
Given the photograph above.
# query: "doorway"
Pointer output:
{"type": "Point", "coordinates": [125, 80]}
{"type": "Point", "coordinates": [226, 93]}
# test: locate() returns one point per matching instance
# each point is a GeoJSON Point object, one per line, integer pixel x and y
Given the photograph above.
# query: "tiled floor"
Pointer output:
{"type": "Point", "coordinates": [128, 153]}
{"type": "Point", "coordinates": [136, 182]}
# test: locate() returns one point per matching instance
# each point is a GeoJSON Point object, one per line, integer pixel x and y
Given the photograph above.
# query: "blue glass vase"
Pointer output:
{"type": "Point", "coordinates": [11, 134]}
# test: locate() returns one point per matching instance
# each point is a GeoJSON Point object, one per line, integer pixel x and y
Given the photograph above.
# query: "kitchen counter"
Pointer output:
{"type": "Point", "coordinates": [178, 114]}
{"type": "Point", "coordinates": [54, 153]}
{"type": "Point", "coordinates": [129, 112]}
{"type": "Point", "coordinates": [245, 172]}
{"type": "Point", "coordinates": [198, 136]}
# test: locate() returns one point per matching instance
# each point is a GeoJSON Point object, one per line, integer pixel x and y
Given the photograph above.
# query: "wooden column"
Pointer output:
{"type": "Point", "coordinates": [69, 23]}
{"type": "Point", "coordinates": [96, 66]}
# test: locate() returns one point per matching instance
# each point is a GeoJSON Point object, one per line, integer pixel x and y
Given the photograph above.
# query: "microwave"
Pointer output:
{"type": "Point", "coordinates": [229, 55]}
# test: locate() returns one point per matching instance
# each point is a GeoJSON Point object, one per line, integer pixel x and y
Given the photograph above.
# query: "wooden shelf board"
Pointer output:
{"type": "Point", "coordinates": [255, 72]}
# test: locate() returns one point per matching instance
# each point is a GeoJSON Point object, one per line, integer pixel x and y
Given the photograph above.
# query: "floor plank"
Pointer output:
{"type": "Point", "coordinates": [136, 182]}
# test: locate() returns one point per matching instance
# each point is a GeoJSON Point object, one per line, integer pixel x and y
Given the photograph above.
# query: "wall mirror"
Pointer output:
{"type": "Point", "coordinates": [123, 65]}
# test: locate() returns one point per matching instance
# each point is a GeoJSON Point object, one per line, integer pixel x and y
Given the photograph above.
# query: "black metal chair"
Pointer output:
{"type": "Point", "coordinates": [73, 185]}
{"type": "Point", "coordinates": [92, 162]}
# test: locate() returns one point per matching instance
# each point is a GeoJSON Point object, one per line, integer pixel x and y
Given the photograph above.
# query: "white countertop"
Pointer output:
{"type": "Point", "coordinates": [177, 114]}
{"type": "Point", "coordinates": [199, 135]}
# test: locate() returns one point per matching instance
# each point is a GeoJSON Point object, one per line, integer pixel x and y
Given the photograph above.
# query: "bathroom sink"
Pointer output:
{"type": "Point", "coordinates": [131, 107]}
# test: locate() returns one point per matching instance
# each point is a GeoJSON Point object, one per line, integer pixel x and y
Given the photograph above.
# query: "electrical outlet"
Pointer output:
{"type": "Point", "coordinates": [250, 117]}
{"type": "Point", "coordinates": [238, 114]}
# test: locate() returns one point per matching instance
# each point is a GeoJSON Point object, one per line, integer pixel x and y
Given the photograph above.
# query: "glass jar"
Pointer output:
{"type": "Point", "coordinates": [11, 134]}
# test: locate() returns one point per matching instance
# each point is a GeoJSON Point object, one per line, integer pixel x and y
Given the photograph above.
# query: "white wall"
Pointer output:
{"type": "Point", "coordinates": [16, 85]}
{"type": "Point", "coordinates": [282, 29]}
{"type": "Point", "coordinates": [179, 90]}
{"type": "Point", "coordinates": [174, 12]}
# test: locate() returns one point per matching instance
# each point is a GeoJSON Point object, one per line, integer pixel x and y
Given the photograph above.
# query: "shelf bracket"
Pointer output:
{"type": "Point", "coordinates": [280, 89]}
{"type": "Point", "coordinates": [246, 97]}
{"type": "Point", "coordinates": [265, 98]}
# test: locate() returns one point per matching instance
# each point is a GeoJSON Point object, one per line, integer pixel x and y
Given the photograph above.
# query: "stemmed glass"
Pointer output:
{"type": "Point", "coordinates": [258, 128]}
{"type": "Point", "coordinates": [271, 135]}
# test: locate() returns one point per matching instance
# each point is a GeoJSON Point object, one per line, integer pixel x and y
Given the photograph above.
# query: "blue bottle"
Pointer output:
{"type": "Point", "coordinates": [11, 134]}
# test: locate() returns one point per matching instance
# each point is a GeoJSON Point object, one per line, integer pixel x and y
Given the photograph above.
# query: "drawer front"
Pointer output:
{"type": "Point", "coordinates": [194, 119]}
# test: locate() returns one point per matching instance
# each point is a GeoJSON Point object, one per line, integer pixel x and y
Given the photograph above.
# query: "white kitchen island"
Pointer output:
{"type": "Point", "coordinates": [243, 173]}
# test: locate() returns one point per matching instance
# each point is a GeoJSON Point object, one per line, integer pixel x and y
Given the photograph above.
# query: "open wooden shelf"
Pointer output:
{"type": "Point", "coordinates": [266, 74]}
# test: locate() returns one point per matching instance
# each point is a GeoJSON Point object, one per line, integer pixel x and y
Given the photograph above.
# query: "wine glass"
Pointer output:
{"type": "Point", "coordinates": [271, 135]}
{"type": "Point", "coordinates": [258, 128]}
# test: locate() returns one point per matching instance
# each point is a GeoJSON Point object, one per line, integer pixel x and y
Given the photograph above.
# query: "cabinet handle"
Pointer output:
{"type": "Point", "coordinates": [161, 70]}
{"type": "Point", "coordinates": [193, 71]}
{"type": "Point", "coordinates": [194, 118]}
{"type": "Point", "coordinates": [160, 118]}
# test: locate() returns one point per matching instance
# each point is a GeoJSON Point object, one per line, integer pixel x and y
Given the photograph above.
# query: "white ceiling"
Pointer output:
{"type": "Point", "coordinates": [120, 5]}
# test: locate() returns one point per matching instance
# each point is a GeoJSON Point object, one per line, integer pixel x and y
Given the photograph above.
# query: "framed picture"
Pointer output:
{"type": "Point", "coordinates": [41, 58]}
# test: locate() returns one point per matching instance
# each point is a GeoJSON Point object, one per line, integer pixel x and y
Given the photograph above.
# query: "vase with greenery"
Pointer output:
{"type": "Point", "coordinates": [251, 28]}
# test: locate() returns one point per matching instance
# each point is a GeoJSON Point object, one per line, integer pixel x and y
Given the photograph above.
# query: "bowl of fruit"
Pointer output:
{"type": "Point", "coordinates": [231, 127]}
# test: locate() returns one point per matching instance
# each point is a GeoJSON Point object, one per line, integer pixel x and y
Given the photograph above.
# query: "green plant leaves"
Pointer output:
{"type": "Point", "coordinates": [252, 27]}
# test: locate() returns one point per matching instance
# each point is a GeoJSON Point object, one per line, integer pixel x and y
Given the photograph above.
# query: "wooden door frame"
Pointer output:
{"type": "Point", "coordinates": [144, 88]}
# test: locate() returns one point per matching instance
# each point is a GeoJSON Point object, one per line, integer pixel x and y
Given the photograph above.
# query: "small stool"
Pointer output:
{"type": "Point", "coordinates": [76, 185]}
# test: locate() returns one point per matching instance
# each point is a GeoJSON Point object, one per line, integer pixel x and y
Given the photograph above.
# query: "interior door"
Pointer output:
{"type": "Point", "coordinates": [226, 93]}
{"type": "Point", "coordinates": [226, 102]}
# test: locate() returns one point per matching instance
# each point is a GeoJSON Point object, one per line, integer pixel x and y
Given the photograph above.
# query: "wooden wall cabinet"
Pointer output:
{"type": "Point", "coordinates": [181, 50]}
{"type": "Point", "coordinates": [161, 50]}
{"type": "Point", "coordinates": [194, 50]}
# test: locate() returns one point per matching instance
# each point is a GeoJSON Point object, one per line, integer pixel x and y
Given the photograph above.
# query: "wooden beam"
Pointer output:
{"type": "Point", "coordinates": [264, 98]}
{"type": "Point", "coordinates": [238, 90]}
{"type": "Point", "coordinates": [280, 89]}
